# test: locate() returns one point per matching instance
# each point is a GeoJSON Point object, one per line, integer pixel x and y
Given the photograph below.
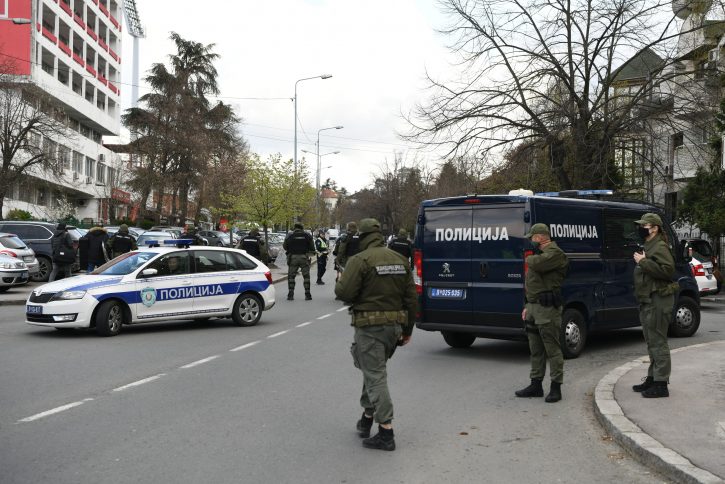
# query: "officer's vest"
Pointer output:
{"type": "Point", "coordinates": [298, 243]}
{"type": "Point", "coordinates": [353, 245]}
{"type": "Point", "coordinates": [322, 245]}
{"type": "Point", "coordinates": [122, 243]}
{"type": "Point", "coordinates": [251, 245]}
{"type": "Point", "coordinates": [401, 246]}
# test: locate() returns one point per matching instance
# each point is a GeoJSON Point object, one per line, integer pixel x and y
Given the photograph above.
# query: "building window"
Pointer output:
{"type": "Point", "coordinates": [90, 167]}
{"type": "Point", "coordinates": [42, 198]}
{"type": "Point", "coordinates": [101, 173]}
{"type": "Point", "coordinates": [630, 158]}
{"type": "Point", "coordinates": [50, 149]}
{"type": "Point", "coordinates": [64, 157]}
{"type": "Point", "coordinates": [111, 176]}
{"type": "Point", "coordinates": [77, 162]}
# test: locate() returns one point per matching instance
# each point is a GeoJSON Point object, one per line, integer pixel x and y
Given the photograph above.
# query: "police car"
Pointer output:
{"type": "Point", "coordinates": [157, 283]}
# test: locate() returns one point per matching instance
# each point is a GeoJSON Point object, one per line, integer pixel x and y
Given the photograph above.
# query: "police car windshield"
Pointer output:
{"type": "Point", "coordinates": [124, 264]}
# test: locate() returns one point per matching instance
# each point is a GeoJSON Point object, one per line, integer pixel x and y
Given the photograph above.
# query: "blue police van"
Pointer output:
{"type": "Point", "coordinates": [469, 258]}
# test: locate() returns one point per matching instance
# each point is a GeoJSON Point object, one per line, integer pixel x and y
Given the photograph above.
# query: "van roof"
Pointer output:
{"type": "Point", "coordinates": [504, 199]}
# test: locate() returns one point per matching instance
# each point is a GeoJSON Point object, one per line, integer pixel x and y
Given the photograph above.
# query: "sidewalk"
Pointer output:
{"type": "Point", "coordinates": [683, 436]}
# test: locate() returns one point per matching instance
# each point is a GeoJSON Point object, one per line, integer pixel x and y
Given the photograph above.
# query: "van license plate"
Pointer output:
{"type": "Point", "coordinates": [447, 293]}
{"type": "Point", "coordinates": [34, 309]}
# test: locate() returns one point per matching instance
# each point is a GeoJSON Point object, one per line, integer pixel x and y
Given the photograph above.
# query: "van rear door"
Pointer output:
{"type": "Point", "coordinates": [446, 265]}
{"type": "Point", "coordinates": [497, 265]}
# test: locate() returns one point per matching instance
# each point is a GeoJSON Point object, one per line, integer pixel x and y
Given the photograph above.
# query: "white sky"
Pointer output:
{"type": "Point", "coordinates": [376, 50]}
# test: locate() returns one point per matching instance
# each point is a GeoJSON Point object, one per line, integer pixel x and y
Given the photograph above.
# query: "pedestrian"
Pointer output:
{"type": "Point", "coordinates": [121, 242]}
{"type": "Point", "coordinates": [64, 254]}
{"type": "Point", "coordinates": [402, 245]}
{"type": "Point", "coordinates": [96, 247]}
{"type": "Point", "coordinates": [542, 314]}
{"type": "Point", "coordinates": [322, 250]}
{"type": "Point", "coordinates": [347, 245]}
{"type": "Point", "coordinates": [655, 292]}
{"type": "Point", "coordinates": [299, 247]}
{"type": "Point", "coordinates": [255, 246]}
{"type": "Point", "coordinates": [380, 291]}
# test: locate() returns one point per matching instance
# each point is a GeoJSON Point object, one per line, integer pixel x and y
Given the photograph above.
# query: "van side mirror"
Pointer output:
{"type": "Point", "coordinates": [149, 272]}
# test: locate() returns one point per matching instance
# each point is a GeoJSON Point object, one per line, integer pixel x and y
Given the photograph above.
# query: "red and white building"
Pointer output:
{"type": "Point", "coordinates": [71, 50]}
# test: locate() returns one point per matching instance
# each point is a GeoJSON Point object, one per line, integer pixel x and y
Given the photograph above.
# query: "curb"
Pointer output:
{"type": "Point", "coordinates": [641, 445]}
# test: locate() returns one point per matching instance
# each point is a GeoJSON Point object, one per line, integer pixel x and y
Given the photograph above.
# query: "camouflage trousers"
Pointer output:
{"type": "Point", "coordinates": [295, 263]}
{"type": "Point", "coordinates": [542, 329]}
{"type": "Point", "coordinates": [655, 317]}
{"type": "Point", "coordinates": [372, 348]}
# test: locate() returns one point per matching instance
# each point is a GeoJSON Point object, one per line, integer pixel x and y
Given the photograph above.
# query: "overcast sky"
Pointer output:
{"type": "Point", "coordinates": [376, 50]}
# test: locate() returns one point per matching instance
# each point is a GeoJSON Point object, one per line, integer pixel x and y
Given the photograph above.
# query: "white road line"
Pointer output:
{"type": "Point", "coordinates": [199, 362]}
{"type": "Point", "coordinates": [139, 382]}
{"type": "Point", "coordinates": [302, 325]}
{"type": "Point", "coordinates": [325, 316]}
{"type": "Point", "coordinates": [54, 410]}
{"type": "Point", "coordinates": [244, 347]}
{"type": "Point", "coordinates": [344, 308]}
{"type": "Point", "coordinates": [278, 334]}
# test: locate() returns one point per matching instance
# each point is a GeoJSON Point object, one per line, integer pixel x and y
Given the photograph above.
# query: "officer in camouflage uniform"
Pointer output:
{"type": "Point", "coordinates": [378, 285]}
{"type": "Point", "coordinates": [347, 246]}
{"type": "Point", "coordinates": [655, 293]}
{"type": "Point", "coordinates": [299, 248]}
{"type": "Point", "coordinates": [542, 313]}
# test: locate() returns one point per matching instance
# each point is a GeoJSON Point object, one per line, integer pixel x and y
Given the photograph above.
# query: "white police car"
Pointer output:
{"type": "Point", "coordinates": [157, 283]}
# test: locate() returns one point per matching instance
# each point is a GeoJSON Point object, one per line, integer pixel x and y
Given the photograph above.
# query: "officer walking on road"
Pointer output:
{"type": "Point", "coordinates": [402, 245]}
{"type": "Point", "coordinates": [255, 246]}
{"type": "Point", "coordinates": [542, 313]}
{"type": "Point", "coordinates": [347, 246]}
{"type": "Point", "coordinates": [299, 247]}
{"type": "Point", "coordinates": [655, 292]}
{"type": "Point", "coordinates": [322, 250]}
{"type": "Point", "coordinates": [122, 242]}
{"type": "Point", "coordinates": [378, 285]}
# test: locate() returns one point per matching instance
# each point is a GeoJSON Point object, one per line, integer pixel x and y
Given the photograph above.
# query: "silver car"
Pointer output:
{"type": "Point", "coordinates": [10, 244]}
{"type": "Point", "coordinates": [13, 272]}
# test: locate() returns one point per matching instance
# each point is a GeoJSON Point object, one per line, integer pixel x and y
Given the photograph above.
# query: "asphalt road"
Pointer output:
{"type": "Point", "coordinates": [192, 402]}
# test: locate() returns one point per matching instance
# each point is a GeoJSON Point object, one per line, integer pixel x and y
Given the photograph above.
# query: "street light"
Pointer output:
{"type": "Point", "coordinates": [317, 182]}
{"type": "Point", "coordinates": [18, 21]}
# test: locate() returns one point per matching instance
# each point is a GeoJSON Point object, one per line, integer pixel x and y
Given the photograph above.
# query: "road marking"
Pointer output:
{"type": "Point", "coordinates": [302, 325]}
{"type": "Point", "coordinates": [54, 410]}
{"type": "Point", "coordinates": [200, 362]}
{"type": "Point", "coordinates": [139, 382]}
{"type": "Point", "coordinates": [325, 316]}
{"type": "Point", "coordinates": [243, 347]}
{"type": "Point", "coordinates": [278, 334]}
{"type": "Point", "coordinates": [344, 308]}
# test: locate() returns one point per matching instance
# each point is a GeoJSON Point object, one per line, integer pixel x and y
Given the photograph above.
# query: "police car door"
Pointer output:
{"type": "Point", "coordinates": [216, 286]}
{"type": "Point", "coordinates": [497, 247]}
{"type": "Point", "coordinates": [447, 265]}
{"type": "Point", "coordinates": [169, 293]}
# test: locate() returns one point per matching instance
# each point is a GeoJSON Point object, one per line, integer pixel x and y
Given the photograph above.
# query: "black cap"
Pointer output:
{"type": "Point", "coordinates": [60, 226]}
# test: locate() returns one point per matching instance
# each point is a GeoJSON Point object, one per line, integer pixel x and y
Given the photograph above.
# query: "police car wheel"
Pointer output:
{"type": "Point", "coordinates": [109, 318]}
{"type": "Point", "coordinates": [458, 340]}
{"type": "Point", "coordinates": [573, 333]}
{"type": "Point", "coordinates": [247, 310]}
{"type": "Point", "coordinates": [687, 318]}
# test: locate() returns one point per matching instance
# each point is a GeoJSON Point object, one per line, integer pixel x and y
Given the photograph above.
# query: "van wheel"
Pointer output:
{"type": "Point", "coordinates": [573, 333]}
{"type": "Point", "coordinates": [109, 318]}
{"type": "Point", "coordinates": [686, 319]}
{"type": "Point", "coordinates": [247, 310]}
{"type": "Point", "coordinates": [458, 340]}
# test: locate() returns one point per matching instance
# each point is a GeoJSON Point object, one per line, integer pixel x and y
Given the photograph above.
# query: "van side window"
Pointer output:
{"type": "Point", "coordinates": [621, 234]}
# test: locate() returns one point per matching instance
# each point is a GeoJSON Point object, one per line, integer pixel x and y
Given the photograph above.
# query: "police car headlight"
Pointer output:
{"type": "Point", "coordinates": [65, 295]}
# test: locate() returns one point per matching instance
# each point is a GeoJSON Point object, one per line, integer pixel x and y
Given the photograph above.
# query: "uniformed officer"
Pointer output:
{"type": "Point", "coordinates": [255, 246]}
{"type": "Point", "coordinates": [402, 245]}
{"type": "Point", "coordinates": [542, 313]}
{"type": "Point", "coordinates": [654, 289]}
{"type": "Point", "coordinates": [322, 250]}
{"type": "Point", "coordinates": [378, 285]}
{"type": "Point", "coordinates": [299, 247]}
{"type": "Point", "coordinates": [122, 241]}
{"type": "Point", "coordinates": [192, 233]}
{"type": "Point", "coordinates": [347, 246]}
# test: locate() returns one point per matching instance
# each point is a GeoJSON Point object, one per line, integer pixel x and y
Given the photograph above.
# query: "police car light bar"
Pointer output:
{"type": "Point", "coordinates": [180, 243]}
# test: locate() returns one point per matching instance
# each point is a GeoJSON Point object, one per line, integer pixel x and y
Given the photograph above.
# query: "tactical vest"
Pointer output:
{"type": "Point", "coordinates": [401, 246]}
{"type": "Point", "coordinates": [353, 245]}
{"type": "Point", "coordinates": [122, 243]}
{"type": "Point", "coordinates": [298, 243]}
{"type": "Point", "coordinates": [251, 245]}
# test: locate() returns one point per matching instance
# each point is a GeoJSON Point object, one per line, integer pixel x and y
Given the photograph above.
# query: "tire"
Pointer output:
{"type": "Point", "coordinates": [247, 310]}
{"type": "Point", "coordinates": [686, 318]}
{"type": "Point", "coordinates": [109, 318]}
{"type": "Point", "coordinates": [573, 334]}
{"type": "Point", "coordinates": [458, 340]}
{"type": "Point", "coordinates": [45, 267]}
{"type": "Point", "coordinates": [4, 289]}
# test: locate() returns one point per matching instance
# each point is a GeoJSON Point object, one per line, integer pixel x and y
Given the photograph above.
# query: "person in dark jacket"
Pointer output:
{"type": "Point", "coordinates": [192, 233]}
{"type": "Point", "coordinates": [402, 245]}
{"type": "Point", "coordinates": [122, 242]}
{"type": "Point", "coordinates": [95, 247]}
{"type": "Point", "coordinates": [254, 245]}
{"type": "Point", "coordinates": [64, 253]}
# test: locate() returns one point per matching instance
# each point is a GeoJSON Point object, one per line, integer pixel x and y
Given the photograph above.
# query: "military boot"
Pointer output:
{"type": "Point", "coordinates": [290, 296]}
{"type": "Point", "coordinates": [364, 425]}
{"type": "Point", "coordinates": [646, 383]}
{"type": "Point", "coordinates": [383, 440]}
{"type": "Point", "coordinates": [533, 390]}
{"type": "Point", "coordinates": [657, 390]}
{"type": "Point", "coordinates": [308, 297]}
{"type": "Point", "coordinates": [554, 393]}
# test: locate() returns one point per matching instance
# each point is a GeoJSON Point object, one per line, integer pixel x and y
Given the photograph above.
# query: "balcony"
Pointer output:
{"type": "Point", "coordinates": [103, 80]}
{"type": "Point", "coordinates": [92, 33]}
{"type": "Point", "coordinates": [114, 55]}
{"type": "Point", "coordinates": [103, 45]}
{"type": "Point", "coordinates": [65, 48]}
{"type": "Point", "coordinates": [104, 10]}
{"type": "Point", "coordinates": [113, 88]}
{"type": "Point", "coordinates": [79, 21]}
{"type": "Point", "coordinates": [48, 35]}
{"type": "Point", "coordinates": [115, 22]}
{"type": "Point", "coordinates": [65, 7]}
{"type": "Point", "coordinates": [78, 59]}
{"type": "Point", "coordinates": [91, 70]}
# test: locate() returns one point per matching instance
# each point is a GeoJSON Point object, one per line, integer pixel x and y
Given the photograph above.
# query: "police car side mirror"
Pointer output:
{"type": "Point", "coordinates": [149, 272]}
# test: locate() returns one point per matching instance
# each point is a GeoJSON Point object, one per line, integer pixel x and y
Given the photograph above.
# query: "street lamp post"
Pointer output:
{"type": "Point", "coordinates": [318, 195]}
{"type": "Point", "coordinates": [317, 181]}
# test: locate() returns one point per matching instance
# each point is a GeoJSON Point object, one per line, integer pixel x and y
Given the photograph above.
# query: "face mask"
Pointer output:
{"type": "Point", "coordinates": [643, 232]}
{"type": "Point", "coordinates": [534, 244]}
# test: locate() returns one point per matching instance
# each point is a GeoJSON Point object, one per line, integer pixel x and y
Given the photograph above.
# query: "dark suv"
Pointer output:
{"type": "Point", "coordinates": [37, 235]}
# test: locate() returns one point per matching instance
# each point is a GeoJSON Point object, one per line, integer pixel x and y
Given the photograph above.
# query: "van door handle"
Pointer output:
{"type": "Point", "coordinates": [483, 269]}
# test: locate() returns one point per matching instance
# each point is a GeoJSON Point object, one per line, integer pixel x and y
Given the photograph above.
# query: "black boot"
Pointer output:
{"type": "Point", "coordinates": [383, 440]}
{"type": "Point", "coordinates": [554, 393]}
{"type": "Point", "coordinates": [290, 296]}
{"type": "Point", "coordinates": [364, 425]}
{"type": "Point", "coordinates": [533, 390]}
{"type": "Point", "coordinates": [646, 383]}
{"type": "Point", "coordinates": [308, 297]}
{"type": "Point", "coordinates": [657, 390]}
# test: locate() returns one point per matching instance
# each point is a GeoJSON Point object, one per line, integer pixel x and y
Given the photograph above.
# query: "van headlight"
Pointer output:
{"type": "Point", "coordinates": [66, 295]}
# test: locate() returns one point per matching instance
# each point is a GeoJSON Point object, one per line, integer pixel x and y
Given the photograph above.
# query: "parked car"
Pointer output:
{"type": "Point", "coordinates": [214, 238]}
{"type": "Point", "coordinates": [36, 236]}
{"type": "Point", "coordinates": [154, 235]}
{"type": "Point", "coordinates": [702, 272]}
{"type": "Point", "coordinates": [177, 231]}
{"type": "Point", "coordinates": [10, 244]}
{"type": "Point", "coordinates": [134, 231]}
{"type": "Point", "coordinates": [13, 272]}
{"type": "Point", "coordinates": [701, 250]}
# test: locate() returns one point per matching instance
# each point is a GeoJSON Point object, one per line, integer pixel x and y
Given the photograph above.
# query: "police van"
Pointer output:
{"type": "Point", "coordinates": [154, 284]}
{"type": "Point", "coordinates": [469, 259]}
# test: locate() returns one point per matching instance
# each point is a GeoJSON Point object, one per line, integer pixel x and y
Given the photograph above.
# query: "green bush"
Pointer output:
{"type": "Point", "coordinates": [147, 224]}
{"type": "Point", "coordinates": [70, 220]}
{"type": "Point", "coordinates": [122, 221]}
{"type": "Point", "coordinates": [17, 214]}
